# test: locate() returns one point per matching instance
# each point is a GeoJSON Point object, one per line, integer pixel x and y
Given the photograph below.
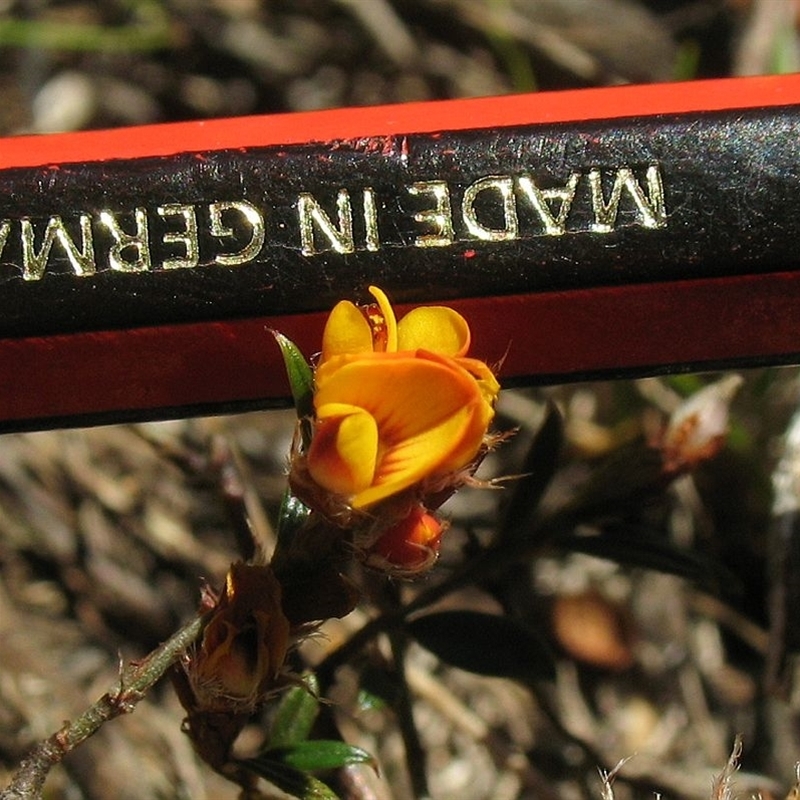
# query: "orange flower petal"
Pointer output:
{"type": "Point", "coordinates": [435, 328]}
{"type": "Point", "coordinates": [430, 413]}
{"type": "Point", "coordinates": [484, 377]}
{"type": "Point", "coordinates": [346, 331]}
{"type": "Point", "coordinates": [344, 450]}
{"type": "Point", "coordinates": [434, 452]}
{"type": "Point", "coordinates": [410, 546]}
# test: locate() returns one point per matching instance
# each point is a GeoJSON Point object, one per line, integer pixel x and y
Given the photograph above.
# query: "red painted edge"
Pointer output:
{"type": "Point", "coordinates": [560, 335]}
{"type": "Point", "coordinates": [397, 120]}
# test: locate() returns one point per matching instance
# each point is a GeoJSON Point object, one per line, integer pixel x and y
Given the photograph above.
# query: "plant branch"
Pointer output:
{"type": "Point", "coordinates": [416, 758]}
{"type": "Point", "coordinates": [134, 682]}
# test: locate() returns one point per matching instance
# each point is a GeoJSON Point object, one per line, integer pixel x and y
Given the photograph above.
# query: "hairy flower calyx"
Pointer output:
{"type": "Point", "coordinates": [244, 644]}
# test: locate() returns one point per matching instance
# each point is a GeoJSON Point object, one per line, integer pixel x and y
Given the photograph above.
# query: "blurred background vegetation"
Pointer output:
{"type": "Point", "coordinates": [105, 534]}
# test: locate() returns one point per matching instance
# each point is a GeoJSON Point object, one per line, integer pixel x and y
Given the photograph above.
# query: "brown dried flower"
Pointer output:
{"type": "Point", "coordinates": [244, 645]}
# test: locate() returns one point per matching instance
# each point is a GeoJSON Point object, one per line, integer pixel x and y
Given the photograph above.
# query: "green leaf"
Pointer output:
{"type": "Point", "coordinates": [637, 546]}
{"type": "Point", "coordinates": [320, 754]}
{"type": "Point", "coordinates": [301, 382]}
{"type": "Point", "coordinates": [367, 701]}
{"type": "Point", "coordinates": [485, 644]}
{"type": "Point", "coordinates": [537, 472]}
{"type": "Point", "coordinates": [295, 715]}
{"type": "Point", "coordinates": [149, 30]}
{"type": "Point", "coordinates": [288, 779]}
{"type": "Point", "coordinates": [292, 516]}
{"type": "Point", "coordinates": [379, 685]}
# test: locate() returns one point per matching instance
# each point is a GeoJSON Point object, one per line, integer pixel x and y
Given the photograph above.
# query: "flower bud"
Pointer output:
{"type": "Point", "coordinates": [698, 427]}
{"type": "Point", "coordinates": [409, 547]}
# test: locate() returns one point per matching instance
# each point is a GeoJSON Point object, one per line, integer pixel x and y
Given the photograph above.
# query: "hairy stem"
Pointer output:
{"type": "Point", "coordinates": [134, 682]}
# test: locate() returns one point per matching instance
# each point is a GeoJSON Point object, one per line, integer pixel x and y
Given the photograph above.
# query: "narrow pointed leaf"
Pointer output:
{"type": "Point", "coordinates": [288, 779]}
{"type": "Point", "coordinates": [379, 684]}
{"type": "Point", "coordinates": [320, 754]}
{"type": "Point", "coordinates": [485, 644]}
{"type": "Point", "coordinates": [301, 379]}
{"type": "Point", "coordinates": [367, 701]}
{"type": "Point", "coordinates": [537, 472]}
{"type": "Point", "coordinates": [295, 715]}
{"type": "Point", "coordinates": [636, 546]}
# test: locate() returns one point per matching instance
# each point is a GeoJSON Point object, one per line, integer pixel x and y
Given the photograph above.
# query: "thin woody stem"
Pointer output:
{"type": "Point", "coordinates": [491, 561]}
{"type": "Point", "coordinates": [134, 682]}
{"type": "Point", "coordinates": [482, 566]}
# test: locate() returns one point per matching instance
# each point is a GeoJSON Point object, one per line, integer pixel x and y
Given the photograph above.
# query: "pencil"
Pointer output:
{"type": "Point", "coordinates": [602, 232]}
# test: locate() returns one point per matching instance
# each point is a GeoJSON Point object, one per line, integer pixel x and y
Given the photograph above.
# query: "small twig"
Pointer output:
{"type": "Point", "coordinates": [482, 566]}
{"type": "Point", "coordinates": [387, 28]}
{"type": "Point", "coordinates": [326, 669]}
{"type": "Point", "coordinates": [416, 759]}
{"type": "Point", "coordinates": [608, 777]}
{"type": "Point", "coordinates": [255, 537]}
{"type": "Point", "coordinates": [134, 682]}
{"type": "Point", "coordinates": [722, 788]}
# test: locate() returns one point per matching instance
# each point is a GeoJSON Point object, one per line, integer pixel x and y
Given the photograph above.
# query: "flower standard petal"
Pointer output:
{"type": "Point", "coordinates": [344, 449]}
{"type": "Point", "coordinates": [435, 328]}
{"type": "Point", "coordinates": [346, 331]}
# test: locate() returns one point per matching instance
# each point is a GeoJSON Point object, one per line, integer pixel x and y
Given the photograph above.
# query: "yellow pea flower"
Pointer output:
{"type": "Point", "coordinates": [397, 404]}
